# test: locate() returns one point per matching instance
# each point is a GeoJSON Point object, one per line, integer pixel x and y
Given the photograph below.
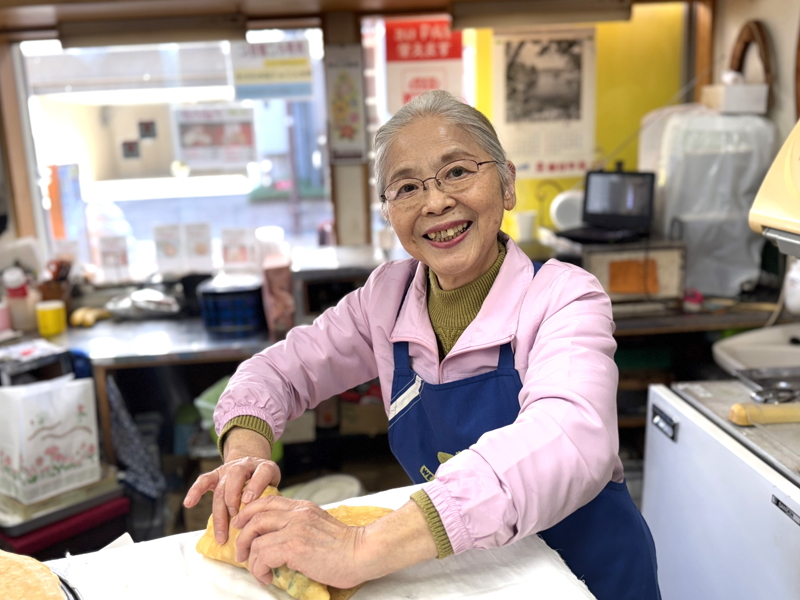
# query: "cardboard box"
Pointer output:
{"type": "Point", "coordinates": [362, 419]}
{"type": "Point", "coordinates": [302, 429]}
{"type": "Point", "coordinates": [745, 98]}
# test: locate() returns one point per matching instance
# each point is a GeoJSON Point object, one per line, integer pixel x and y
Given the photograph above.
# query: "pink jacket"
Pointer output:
{"type": "Point", "coordinates": [517, 480]}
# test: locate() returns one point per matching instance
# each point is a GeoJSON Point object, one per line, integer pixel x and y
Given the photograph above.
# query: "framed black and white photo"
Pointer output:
{"type": "Point", "coordinates": [544, 100]}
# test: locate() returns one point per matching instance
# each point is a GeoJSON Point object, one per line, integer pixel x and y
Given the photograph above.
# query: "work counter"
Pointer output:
{"type": "Point", "coordinates": [170, 567]}
{"type": "Point", "coordinates": [157, 342]}
{"type": "Point", "coordinates": [777, 444]}
{"type": "Point", "coordinates": [112, 345]}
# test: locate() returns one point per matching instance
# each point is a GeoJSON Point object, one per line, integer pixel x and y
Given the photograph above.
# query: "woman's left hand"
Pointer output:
{"type": "Point", "coordinates": [280, 531]}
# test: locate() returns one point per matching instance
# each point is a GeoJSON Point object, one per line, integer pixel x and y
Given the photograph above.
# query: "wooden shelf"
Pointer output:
{"type": "Point", "coordinates": [631, 421]}
{"type": "Point", "coordinates": [688, 322]}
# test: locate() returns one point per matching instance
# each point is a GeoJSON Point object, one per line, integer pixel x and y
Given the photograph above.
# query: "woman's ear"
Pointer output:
{"type": "Point", "coordinates": [510, 196]}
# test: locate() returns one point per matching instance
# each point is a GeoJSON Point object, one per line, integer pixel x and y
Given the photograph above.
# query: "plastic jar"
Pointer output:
{"type": "Point", "coordinates": [21, 299]}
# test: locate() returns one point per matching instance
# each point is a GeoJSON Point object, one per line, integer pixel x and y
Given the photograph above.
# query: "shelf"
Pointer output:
{"type": "Point", "coordinates": [631, 421]}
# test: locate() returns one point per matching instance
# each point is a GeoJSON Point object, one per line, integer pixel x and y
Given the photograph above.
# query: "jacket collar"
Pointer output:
{"type": "Point", "coordinates": [497, 319]}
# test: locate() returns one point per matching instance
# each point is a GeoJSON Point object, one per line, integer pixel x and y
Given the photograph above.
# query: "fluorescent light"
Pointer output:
{"type": "Point", "coordinates": [177, 95]}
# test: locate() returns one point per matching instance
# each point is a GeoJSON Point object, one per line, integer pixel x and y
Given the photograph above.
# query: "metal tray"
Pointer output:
{"type": "Point", "coordinates": [69, 592]}
{"type": "Point", "coordinates": [759, 379]}
{"type": "Point", "coordinates": [23, 527]}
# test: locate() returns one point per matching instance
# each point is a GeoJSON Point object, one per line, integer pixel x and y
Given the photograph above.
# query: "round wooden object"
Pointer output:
{"type": "Point", "coordinates": [754, 32]}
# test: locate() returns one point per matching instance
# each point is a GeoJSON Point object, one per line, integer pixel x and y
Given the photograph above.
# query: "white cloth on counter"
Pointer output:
{"type": "Point", "coordinates": [171, 568]}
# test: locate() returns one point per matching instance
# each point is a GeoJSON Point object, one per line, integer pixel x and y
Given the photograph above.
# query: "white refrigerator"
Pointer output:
{"type": "Point", "coordinates": [724, 513]}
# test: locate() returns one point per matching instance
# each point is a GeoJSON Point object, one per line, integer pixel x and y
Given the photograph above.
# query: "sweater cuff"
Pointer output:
{"type": "Point", "coordinates": [443, 545]}
{"type": "Point", "coordinates": [246, 422]}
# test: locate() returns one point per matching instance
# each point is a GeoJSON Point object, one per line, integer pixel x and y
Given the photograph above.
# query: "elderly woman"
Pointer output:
{"type": "Point", "coordinates": [498, 379]}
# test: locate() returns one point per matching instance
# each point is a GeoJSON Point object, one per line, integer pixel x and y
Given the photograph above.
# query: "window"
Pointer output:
{"type": "Point", "coordinates": [135, 142]}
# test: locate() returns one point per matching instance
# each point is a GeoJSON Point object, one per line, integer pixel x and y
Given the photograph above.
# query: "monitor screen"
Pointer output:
{"type": "Point", "coordinates": [619, 199]}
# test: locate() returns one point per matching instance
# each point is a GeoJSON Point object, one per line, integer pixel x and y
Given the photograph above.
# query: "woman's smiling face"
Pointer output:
{"type": "Point", "coordinates": [474, 214]}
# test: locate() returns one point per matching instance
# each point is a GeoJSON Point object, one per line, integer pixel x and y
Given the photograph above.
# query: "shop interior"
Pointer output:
{"type": "Point", "coordinates": [162, 161]}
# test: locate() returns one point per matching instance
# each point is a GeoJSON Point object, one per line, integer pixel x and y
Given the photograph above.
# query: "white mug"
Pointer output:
{"type": "Point", "coordinates": [526, 224]}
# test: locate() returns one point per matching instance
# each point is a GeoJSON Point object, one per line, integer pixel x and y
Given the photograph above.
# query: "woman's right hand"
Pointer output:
{"type": "Point", "coordinates": [247, 461]}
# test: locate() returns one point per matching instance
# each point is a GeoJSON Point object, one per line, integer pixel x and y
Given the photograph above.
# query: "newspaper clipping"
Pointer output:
{"type": "Point", "coordinates": [544, 101]}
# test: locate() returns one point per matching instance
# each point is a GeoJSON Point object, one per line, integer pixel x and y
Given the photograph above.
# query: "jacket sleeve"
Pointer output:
{"type": "Point", "coordinates": [312, 364]}
{"type": "Point", "coordinates": [562, 449]}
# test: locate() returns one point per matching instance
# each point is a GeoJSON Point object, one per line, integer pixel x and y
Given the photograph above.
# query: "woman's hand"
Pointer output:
{"type": "Point", "coordinates": [247, 456]}
{"type": "Point", "coordinates": [279, 531]}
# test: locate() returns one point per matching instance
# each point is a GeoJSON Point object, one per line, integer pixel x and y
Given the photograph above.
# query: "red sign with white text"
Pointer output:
{"type": "Point", "coordinates": [421, 40]}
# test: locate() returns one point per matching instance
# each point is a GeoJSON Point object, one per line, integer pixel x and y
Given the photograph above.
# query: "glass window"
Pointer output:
{"type": "Point", "coordinates": [132, 139]}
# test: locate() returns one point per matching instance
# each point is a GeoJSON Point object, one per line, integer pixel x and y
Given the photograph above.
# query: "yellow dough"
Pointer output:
{"type": "Point", "coordinates": [293, 582]}
{"type": "Point", "coordinates": [25, 578]}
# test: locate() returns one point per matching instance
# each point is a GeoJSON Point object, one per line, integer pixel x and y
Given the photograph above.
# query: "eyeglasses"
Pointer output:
{"type": "Point", "coordinates": [452, 177]}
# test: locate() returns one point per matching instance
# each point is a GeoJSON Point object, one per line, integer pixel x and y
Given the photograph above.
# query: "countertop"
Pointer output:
{"type": "Point", "coordinates": [170, 567]}
{"type": "Point", "coordinates": [776, 444]}
{"type": "Point", "coordinates": [157, 342]}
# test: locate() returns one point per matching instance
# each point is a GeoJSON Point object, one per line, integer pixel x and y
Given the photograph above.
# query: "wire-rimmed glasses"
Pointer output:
{"type": "Point", "coordinates": [452, 177]}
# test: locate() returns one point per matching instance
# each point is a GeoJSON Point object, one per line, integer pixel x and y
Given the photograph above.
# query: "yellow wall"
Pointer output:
{"type": "Point", "coordinates": [639, 68]}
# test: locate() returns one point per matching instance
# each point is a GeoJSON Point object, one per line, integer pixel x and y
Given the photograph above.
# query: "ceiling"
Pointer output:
{"type": "Point", "coordinates": [30, 19]}
{"type": "Point", "coordinates": [26, 16]}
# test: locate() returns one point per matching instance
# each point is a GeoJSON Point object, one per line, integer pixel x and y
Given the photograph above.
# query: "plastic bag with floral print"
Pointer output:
{"type": "Point", "coordinates": [48, 438]}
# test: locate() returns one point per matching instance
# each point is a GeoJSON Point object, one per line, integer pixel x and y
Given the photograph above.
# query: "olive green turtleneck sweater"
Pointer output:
{"type": "Point", "coordinates": [450, 312]}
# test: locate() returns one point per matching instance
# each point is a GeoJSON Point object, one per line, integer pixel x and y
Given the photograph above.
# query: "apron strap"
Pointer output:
{"type": "Point", "coordinates": [401, 360]}
{"type": "Point", "coordinates": [506, 360]}
{"type": "Point", "coordinates": [405, 291]}
{"type": "Point", "coordinates": [400, 349]}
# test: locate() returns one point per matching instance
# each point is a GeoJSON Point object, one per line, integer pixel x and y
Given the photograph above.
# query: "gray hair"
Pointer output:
{"type": "Point", "coordinates": [439, 103]}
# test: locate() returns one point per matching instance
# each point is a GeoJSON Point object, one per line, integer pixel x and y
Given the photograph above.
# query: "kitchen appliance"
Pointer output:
{"type": "Point", "coordinates": [232, 305]}
{"type": "Point", "coordinates": [722, 501]}
{"type": "Point", "coordinates": [323, 276]}
{"type": "Point", "coordinates": [775, 212]}
{"type": "Point", "coordinates": [644, 277]}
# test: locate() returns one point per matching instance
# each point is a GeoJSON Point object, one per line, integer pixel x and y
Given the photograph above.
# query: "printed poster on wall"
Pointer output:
{"type": "Point", "coordinates": [544, 101]}
{"type": "Point", "coordinates": [271, 70]}
{"type": "Point", "coordinates": [215, 136]}
{"type": "Point", "coordinates": [344, 81]}
{"type": "Point", "coordinates": [421, 55]}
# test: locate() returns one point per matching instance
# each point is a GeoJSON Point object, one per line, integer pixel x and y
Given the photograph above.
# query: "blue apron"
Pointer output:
{"type": "Point", "coordinates": [606, 543]}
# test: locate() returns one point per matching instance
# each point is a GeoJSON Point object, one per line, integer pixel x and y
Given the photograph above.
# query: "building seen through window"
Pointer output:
{"type": "Point", "coordinates": [206, 140]}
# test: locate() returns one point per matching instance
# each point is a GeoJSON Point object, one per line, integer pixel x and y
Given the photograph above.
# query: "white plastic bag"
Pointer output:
{"type": "Point", "coordinates": [48, 438]}
{"type": "Point", "coordinates": [710, 167]}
